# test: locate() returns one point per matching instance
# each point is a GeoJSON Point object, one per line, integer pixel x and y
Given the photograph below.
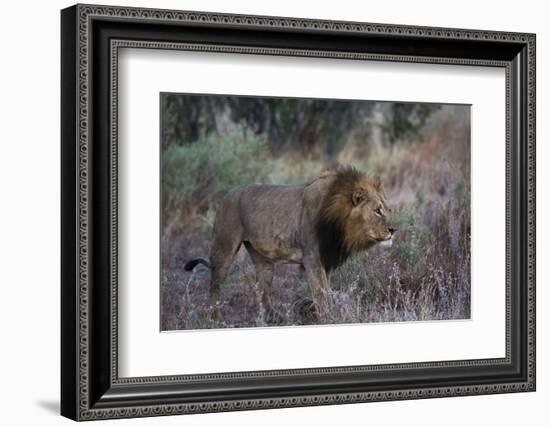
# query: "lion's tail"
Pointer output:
{"type": "Point", "coordinates": [189, 266]}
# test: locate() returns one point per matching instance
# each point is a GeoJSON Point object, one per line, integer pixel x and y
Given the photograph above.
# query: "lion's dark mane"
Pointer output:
{"type": "Point", "coordinates": [330, 223]}
{"type": "Point", "coordinates": [332, 247]}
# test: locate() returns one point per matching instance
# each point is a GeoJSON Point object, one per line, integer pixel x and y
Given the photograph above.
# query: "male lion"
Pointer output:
{"type": "Point", "coordinates": [317, 225]}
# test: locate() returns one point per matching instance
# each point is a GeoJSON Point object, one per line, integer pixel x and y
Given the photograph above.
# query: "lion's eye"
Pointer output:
{"type": "Point", "coordinates": [378, 211]}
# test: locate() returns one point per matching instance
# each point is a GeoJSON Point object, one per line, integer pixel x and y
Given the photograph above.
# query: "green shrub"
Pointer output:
{"type": "Point", "coordinates": [195, 176]}
{"type": "Point", "coordinates": [349, 274]}
{"type": "Point", "coordinates": [412, 248]}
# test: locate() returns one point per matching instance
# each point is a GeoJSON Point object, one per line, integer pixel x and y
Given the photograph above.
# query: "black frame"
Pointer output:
{"type": "Point", "coordinates": [90, 38]}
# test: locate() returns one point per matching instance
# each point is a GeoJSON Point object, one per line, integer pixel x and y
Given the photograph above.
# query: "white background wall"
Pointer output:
{"type": "Point", "coordinates": [29, 211]}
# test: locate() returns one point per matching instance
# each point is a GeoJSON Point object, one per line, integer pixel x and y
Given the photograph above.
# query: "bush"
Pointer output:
{"type": "Point", "coordinates": [195, 176]}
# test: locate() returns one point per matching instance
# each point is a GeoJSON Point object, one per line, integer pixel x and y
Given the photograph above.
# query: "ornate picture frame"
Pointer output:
{"type": "Point", "coordinates": [91, 37]}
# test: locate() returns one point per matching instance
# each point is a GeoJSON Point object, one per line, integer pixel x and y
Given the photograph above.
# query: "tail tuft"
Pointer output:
{"type": "Point", "coordinates": [189, 266]}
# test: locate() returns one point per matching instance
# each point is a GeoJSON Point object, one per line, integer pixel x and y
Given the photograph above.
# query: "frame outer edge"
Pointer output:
{"type": "Point", "coordinates": [68, 182]}
{"type": "Point", "coordinates": [531, 200]}
{"type": "Point", "coordinates": [83, 12]}
{"type": "Point", "coordinates": [83, 176]}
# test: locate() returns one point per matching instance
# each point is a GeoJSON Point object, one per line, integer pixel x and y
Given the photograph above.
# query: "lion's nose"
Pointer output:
{"type": "Point", "coordinates": [391, 230]}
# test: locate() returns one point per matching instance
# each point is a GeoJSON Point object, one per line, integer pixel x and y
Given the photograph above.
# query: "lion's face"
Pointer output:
{"type": "Point", "coordinates": [370, 219]}
{"type": "Point", "coordinates": [354, 216]}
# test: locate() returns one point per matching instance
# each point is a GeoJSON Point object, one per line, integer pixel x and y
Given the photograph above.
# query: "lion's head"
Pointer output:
{"type": "Point", "coordinates": [354, 216]}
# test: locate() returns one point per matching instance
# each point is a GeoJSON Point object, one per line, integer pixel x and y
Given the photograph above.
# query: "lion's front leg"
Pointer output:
{"type": "Point", "coordinates": [319, 285]}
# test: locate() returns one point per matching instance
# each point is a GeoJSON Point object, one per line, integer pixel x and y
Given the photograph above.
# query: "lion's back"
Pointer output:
{"type": "Point", "coordinates": [270, 206]}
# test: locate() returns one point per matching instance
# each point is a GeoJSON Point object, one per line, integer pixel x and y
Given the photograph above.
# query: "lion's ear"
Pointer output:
{"type": "Point", "coordinates": [357, 198]}
{"type": "Point", "coordinates": [377, 182]}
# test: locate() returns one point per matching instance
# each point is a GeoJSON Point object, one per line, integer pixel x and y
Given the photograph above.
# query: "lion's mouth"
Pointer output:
{"type": "Point", "coordinates": [388, 242]}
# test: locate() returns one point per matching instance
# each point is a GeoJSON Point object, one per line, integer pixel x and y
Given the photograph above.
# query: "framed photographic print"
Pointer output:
{"type": "Point", "coordinates": [263, 212]}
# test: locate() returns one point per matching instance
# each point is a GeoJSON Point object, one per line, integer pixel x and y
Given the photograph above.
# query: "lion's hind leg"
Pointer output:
{"type": "Point", "coordinates": [264, 277]}
{"type": "Point", "coordinates": [224, 249]}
